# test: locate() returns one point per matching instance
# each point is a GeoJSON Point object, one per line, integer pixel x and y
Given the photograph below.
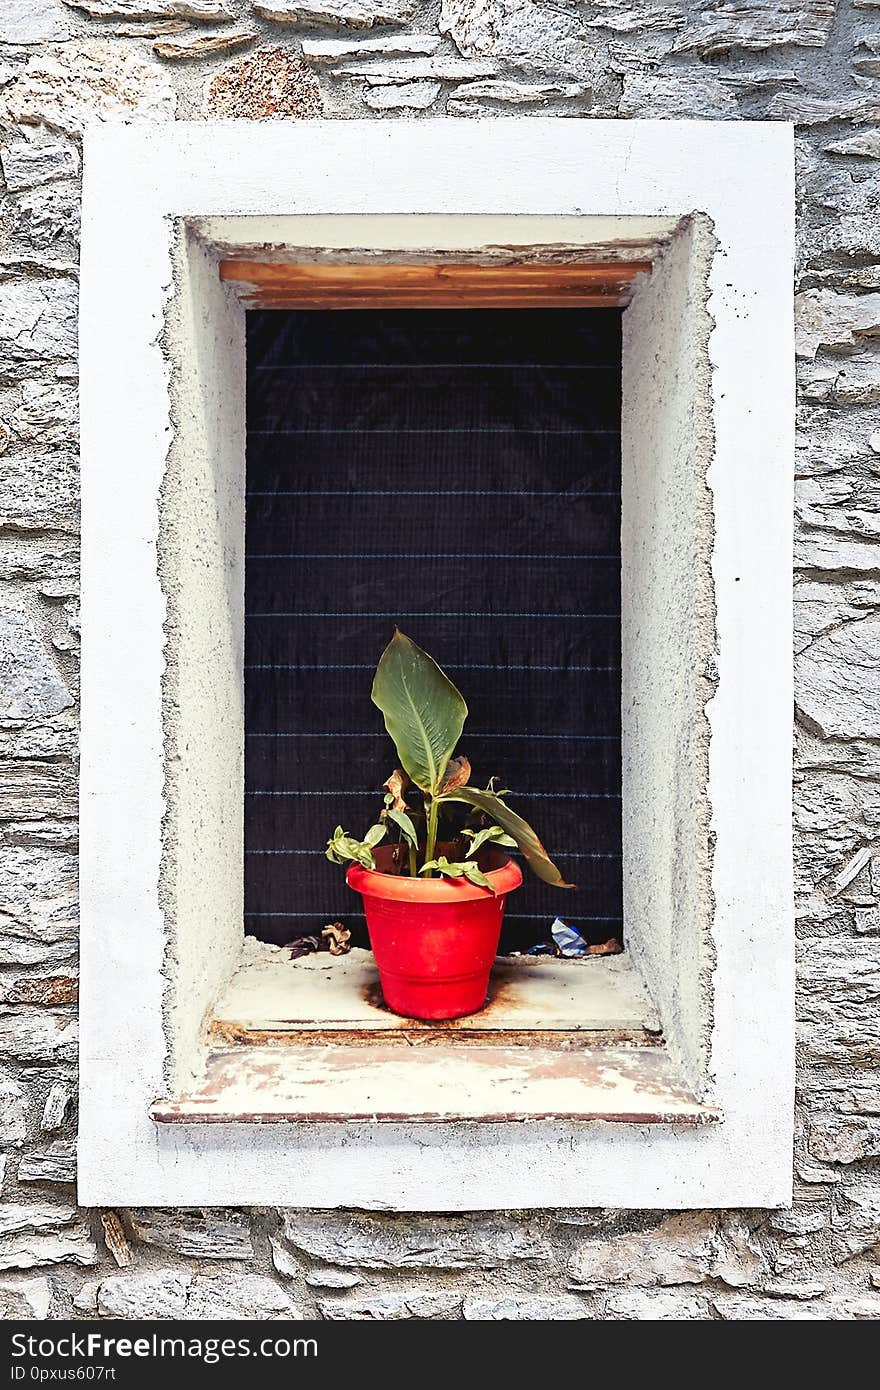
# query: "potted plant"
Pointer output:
{"type": "Point", "coordinates": [434, 895]}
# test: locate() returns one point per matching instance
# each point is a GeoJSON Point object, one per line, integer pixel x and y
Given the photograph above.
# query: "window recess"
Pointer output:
{"type": "Point", "coordinates": [407, 436]}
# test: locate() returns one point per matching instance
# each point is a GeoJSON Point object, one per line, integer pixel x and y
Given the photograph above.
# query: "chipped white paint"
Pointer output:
{"type": "Point", "coordinates": [272, 993]}
{"type": "Point", "coordinates": [496, 1085]}
{"type": "Point", "coordinates": [137, 182]}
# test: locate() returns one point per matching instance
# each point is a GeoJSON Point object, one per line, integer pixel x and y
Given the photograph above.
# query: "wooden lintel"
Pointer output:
{"type": "Point", "coordinates": [273, 285]}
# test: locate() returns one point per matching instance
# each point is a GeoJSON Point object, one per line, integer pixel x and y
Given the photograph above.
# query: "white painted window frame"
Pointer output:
{"type": "Point", "coordinates": [148, 628]}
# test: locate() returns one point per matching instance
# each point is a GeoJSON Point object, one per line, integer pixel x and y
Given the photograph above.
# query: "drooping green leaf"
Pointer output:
{"type": "Point", "coordinates": [374, 835]}
{"type": "Point", "coordinates": [535, 854]}
{"type": "Point", "coordinates": [444, 866]}
{"type": "Point", "coordinates": [424, 713]}
{"type": "Point", "coordinates": [493, 834]}
{"type": "Point", "coordinates": [465, 869]}
{"type": "Point", "coordinates": [403, 822]}
{"type": "Point", "coordinates": [342, 849]}
{"type": "Point", "coordinates": [475, 874]}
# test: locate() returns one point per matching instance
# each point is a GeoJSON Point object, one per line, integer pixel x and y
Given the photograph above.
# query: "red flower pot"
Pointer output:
{"type": "Point", "coordinates": [434, 939]}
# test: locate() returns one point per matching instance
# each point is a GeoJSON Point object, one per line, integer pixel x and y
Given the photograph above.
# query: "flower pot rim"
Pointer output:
{"type": "Point", "coordinates": [374, 883]}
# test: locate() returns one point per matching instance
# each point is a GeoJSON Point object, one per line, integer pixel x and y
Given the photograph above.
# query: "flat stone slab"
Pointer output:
{"type": "Point", "coordinates": [634, 1085]}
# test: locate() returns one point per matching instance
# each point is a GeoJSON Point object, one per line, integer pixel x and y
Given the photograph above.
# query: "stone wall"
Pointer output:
{"type": "Point", "coordinates": [816, 62]}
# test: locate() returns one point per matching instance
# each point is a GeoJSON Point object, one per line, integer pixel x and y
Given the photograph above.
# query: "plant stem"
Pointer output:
{"type": "Point", "coordinates": [413, 868]}
{"type": "Point", "coordinates": [431, 843]}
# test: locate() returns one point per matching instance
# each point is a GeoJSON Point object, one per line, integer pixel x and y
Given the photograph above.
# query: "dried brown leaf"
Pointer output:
{"type": "Point", "coordinates": [458, 771]}
{"type": "Point", "coordinates": [337, 939]}
{"type": "Point", "coordinates": [395, 786]}
{"type": "Point", "coordinates": [611, 947]}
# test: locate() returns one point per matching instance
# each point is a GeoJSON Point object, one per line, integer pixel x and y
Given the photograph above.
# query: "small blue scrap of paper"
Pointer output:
{"type": "Point", "coordinates": [568, 941]}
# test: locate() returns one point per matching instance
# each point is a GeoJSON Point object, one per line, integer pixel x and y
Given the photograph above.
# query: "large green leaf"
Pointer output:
{"type": "Point", "coordinates": [424, 713]}
{"type": "Point", "coordinates": [534, 852]}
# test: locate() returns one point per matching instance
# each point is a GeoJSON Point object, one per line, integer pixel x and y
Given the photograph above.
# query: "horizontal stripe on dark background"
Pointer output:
{"type": "Point", "coordinates": [457, 472]}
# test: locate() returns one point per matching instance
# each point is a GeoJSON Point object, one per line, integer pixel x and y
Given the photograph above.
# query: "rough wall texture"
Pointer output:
{"type": "Point", "coordinates": [816, 62]}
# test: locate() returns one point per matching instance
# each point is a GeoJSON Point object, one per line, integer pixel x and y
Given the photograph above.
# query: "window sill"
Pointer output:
{"type": "Point", "coordinates": [310, 1040]}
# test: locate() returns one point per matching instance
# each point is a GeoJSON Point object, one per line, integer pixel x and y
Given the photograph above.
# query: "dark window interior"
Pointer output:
{"type": "Point", "coordinates": [456, 472]}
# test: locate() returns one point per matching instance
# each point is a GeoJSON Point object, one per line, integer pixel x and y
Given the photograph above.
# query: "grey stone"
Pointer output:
{"type": "Point", "coordinates": [38, 319]}
{"type": "Point", "coordinates": [855, 1218]}
{"type": "Point", "coordinates": [329, 1278]}
{"type": "Point", "coordinates": [625, 17]}
{"type": "Point", "coordinates": [29, 1251]}
{"type": "Point", "coordinates": [44, 216]}
{"type": "Point", "coordinates": [203, 1233]}
{"type": "Point", "coordinates": [32, 22]}
{"type": "Point", "coordinates": [37, 1035]}
{"type": "Point", "coordinates": [721, 25]}
{"type": "Point", "coordinates": [560, 1307]}
{"type": "Point", "coordinates": [29, 789]}
{"type": "Point", "coordinates": [201, 45]}
{"type": "Point", "coordinates": [30, 682]}
{"type": "Point", "coordinates": [521, 33]}
{"type": "Point", "coordinates": [16, 1218]}
{"type": "Point", "coordinates": [385, 46]}
{"type": "Point", "coordinates": [38, 834]}
{"type": "Point", "coordinates": [865, 145]}
{"type": "Point", "coordinates": [853, 381]}
{"type": "Point", "coordinates": [838, 681]}
{"type": "Point", "coordinates": [26, 1299]}
{"type": "Point", "coordinates": [518, 93]}
{"type": "Point", "coordinates": [13, 1113]}
{"type": "Point", "coordinates": [28, 163]}
{"type": "Point", "coordinates": [56, 1108]}
{"type": "Point", "coordinates": [867, 920]}
{"type": "Point", "coordinates": [676, 98]}
{"type": "Point", "coordinates": [803, 1289]}
{"type": "Point", "coordinates": [355, 1240]}
{"type": "Point", "coordinates": [740, 1308]}
{"type": "Point", "coordinates": [234, 1295]}
{"type": "Point", "coordinates": [807, 110]}
{"type": "Point", "coordinates": [38, 904]}
{"type": "Point", "coordinates": [815, 551]}
{"type": "Point", "coordinates": [798, 1221]}
{"type": "Point", "coordinates": [415, 96]}
{"type": "Point", "coordinates": [54, 1164]}
{"type": "Point", "coordinates": [149, 1295]}
{"type": "Point", "coordinates": [419, 1304]}
{"type": "Point", "coordinates": [415, 69]}
{"type": "Point", "coordinates": [656, 1306]}
{"type": "Point", "coordinates": [829, 320]}
{"type": "Point", "coordinates": [171, 1293]}
{"type": "Point", "coordinates": [838, 985]}
{"type": "Point", "coordinates": [154, 9]}
{"type": "Point", "coordinates": [71, 87]}
{"type": "Point", "coordinates": [684, 1249]}
{"type": "Point", "coordinates": [13, 267]}
{"type": "Point", "coordinates": [835, 1140]}
{"type": "Point", "coordinates": [355, 14]}
{"type": "Point", "coordinates": [285, 1263]}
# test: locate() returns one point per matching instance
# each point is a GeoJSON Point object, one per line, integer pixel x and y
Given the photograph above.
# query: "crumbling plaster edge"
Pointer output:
{"type": "Point", "coordinates": [681, 281]}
